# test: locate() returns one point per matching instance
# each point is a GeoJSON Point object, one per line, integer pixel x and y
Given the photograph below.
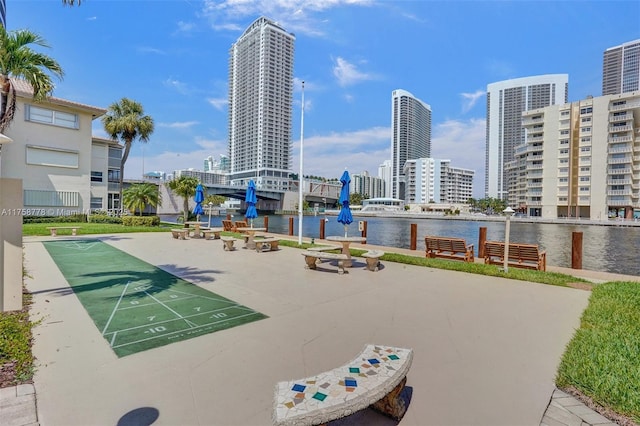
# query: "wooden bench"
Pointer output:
{"type": "Point", "coordinates": [448, 248]}
{"type": "Point", "coordinates": [373, 259]}
{"type": "Point", "coordinates": [375, 378]}
{"type": "Point", "coordinates": [228, 243]}
{"type": "Point", "coordinates": [54, 229]}
{"type": "Point", "coordinates": [211, 233]}
{"type": "Point", "coordinates": [310, 257]}
{"type": "Point", "coordinates": [180, 234]}
{"type": "Point", "coordinates": [526, 256]}
{"type": "Point", "coordinates": [270, 242]}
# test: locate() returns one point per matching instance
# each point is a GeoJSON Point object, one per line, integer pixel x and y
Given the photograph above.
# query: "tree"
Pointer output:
{"type": "Point", "coordinates": [71, 2]}
{"type": "Point", "coordinates": [356, 199]}
{"type": "Point", "coordinates": [216, 200]}
{"type": "Point", "coordinates": [125, 121]}
{"type": "Point", "coordinates": [140, 195]}
{"type": "Point", "coordinates": [184, 186]}
{"type": "Point", "coordinates": [18, 60]}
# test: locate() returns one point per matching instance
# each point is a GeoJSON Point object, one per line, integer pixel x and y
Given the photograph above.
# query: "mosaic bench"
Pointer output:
{"type": "Point", "coordinates": [374, 378]}
{"type": "Point", "coordinates": [54, 230]}
{"type": "Point", "coordinates": [180, 234]}
{"type": "Point", "coordinates": [270, 242]}
{"type": "Point", "coordinates": [228, 243]}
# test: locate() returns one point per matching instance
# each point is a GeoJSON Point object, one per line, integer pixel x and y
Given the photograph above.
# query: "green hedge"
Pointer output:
{"type": "Point", "coordinates": [141, 220]}
{"type": "Point", "coordinates": [72, 218]}
{"type": "Point", "coordinates": [103, 218]}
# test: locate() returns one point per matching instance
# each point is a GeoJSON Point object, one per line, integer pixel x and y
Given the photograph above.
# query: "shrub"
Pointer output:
{"type": "Point", "coordinates": [141, 220]}
{"type": "Point", "coordinates": [103, 218]}
{"type": "Point", "coordinates": [72, 218]}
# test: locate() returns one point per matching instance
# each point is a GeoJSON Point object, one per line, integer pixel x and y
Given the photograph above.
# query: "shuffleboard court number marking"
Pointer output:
{"type": "Point", "coordinates": [197, 308]}
{"type": "Point", "coordinates": [218, 315]}
{"type": "Point", "coordinates": [152, 317]}
{"type": "Point", "coordinates": [134, 302]}
{"type": "Point", "coordinates": [158, 329]}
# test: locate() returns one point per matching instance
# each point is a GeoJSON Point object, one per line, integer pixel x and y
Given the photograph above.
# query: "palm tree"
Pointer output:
{"type": "Point", "coordinates": [184, 186]}
{"type": "Point", "coordinates": [140, 195]}
{"type": "Point", "coordinates": [125, 120]}
{"type": "Point", "coordinates": [71, 2]}
{"type": "Point", "coordinates": [18, 60]}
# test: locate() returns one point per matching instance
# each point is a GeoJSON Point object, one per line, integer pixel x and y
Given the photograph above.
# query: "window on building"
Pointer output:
{"type": "Point", "coordinates": [53, 157]}
{"type": "Point", "coordinates": [96, 203]}
{"type": "Point", "coordinates": [96, 176]}
{"type": "Point", "coordinates": [50, 116]}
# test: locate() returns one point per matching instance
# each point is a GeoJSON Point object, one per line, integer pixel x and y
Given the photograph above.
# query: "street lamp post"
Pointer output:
{"type": "Point", "coordinates": [508, 212]}
{"type": "Point", "coordinates": [210, 208]}
{"type": "Point", "coordinates": [300, 198]}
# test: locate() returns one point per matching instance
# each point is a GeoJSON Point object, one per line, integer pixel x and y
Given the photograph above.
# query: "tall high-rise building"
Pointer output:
{"type": "Point", "coordinates": [621, 68]}
{"type": "Point", "coordinates": [410, 136]}
{"type": "Point", "coordinates": [384, 173]}
{"type": "Point", "coordinates": [260, 105]}
{"type": "Point", "coordinates": [3, 13]}
{"type": "Point", "coordinates": [506, 101]}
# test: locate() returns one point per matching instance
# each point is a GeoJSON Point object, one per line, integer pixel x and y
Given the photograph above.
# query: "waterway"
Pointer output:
{"type": "Point", "coordinates": [605, 248]}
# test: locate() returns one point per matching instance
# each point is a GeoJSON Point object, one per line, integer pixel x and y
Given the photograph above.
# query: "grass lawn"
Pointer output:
{"type": "Point", "coordinates": [35, 229]}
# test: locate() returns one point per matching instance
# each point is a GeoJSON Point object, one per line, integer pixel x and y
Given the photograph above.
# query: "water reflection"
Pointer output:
{"type": "Point", "coordinates": [605, 248]}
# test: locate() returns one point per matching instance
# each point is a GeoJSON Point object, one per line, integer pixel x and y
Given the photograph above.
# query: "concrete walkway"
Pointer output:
{"type": "Point", "coordinates": [486, 349]}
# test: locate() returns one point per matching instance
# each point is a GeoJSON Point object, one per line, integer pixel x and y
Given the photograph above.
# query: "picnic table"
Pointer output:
{"type": "Point", "coordinates": [346, 242]}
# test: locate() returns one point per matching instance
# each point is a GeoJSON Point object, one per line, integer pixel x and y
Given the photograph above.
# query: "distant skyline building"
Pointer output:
{"type": "Point", "coordinates": [621, 68]}
{"type": "Point", "coordinates": [506, 101]}
{"type": "Point", "coordinates": [384, 173]}
{"type": "Point", "coordinates": [410, 136]}
{"type": "Point", "coordinates": [432, 180]}
{"type": "Point", "coordinates": [221, 165]}
{"type": "Point", "coordinates": [367, 185]}
{"type": "Point", "coordinates": [3, 13]}
{"type": "Point", "coordinates": [260, 106]}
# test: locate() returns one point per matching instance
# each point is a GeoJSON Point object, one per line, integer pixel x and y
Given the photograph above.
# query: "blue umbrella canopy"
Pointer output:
{"type": "Point", "coordinates": [251, 200]}
{"type": "Point", "coordinates": [198, 198]}
{"type": "Point", "coordinates": [345, 216]}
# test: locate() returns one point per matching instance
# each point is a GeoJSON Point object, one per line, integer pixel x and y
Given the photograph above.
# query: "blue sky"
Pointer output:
{"type": "Point", "coordinates": [172, 56]}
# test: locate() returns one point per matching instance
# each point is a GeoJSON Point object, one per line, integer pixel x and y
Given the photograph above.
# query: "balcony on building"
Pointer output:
{"type": "Point", "coordinates": [619, 160]}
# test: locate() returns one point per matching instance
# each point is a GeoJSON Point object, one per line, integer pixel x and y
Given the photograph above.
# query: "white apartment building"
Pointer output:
{"type": "Point", "coordinates": [621, 68]}
{"type": "Point", "coordinates": [410, 136]}
{"type": "Point", "coordinates": [213, 177]}
{"type": "Point", "coordinates": [369, 186]}
{"type": "Point", "coordinates": [63, 169]}
{"type": "Point", "coordinates": [260, 106]}
{"type": "Point", "coordinates": [581, 159]}
{"type": "Point", "coordinates": [384, 173]}
{"type": "Point", "coordinates": [506, 100]}
{"type": "Point", "coordinates": [431, 180]}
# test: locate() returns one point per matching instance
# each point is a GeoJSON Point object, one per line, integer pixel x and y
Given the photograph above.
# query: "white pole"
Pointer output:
{"type": "Point", "coordinates": [300, 215]}
{"type": "Point", "coordinates": [506, 244]}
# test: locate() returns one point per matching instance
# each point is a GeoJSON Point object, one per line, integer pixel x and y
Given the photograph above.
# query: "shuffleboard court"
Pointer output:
{"type": "Point", "coordinates": [137, 306]}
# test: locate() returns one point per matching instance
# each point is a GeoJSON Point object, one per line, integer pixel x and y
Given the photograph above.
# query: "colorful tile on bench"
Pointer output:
{"type": "Point", "coordinates": [352, 386]}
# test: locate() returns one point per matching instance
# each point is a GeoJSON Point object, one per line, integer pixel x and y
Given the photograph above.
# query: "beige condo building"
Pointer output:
{"type": "Point", "coordinates": [580, 159]}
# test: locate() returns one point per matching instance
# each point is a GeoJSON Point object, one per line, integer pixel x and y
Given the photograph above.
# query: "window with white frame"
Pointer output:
{"type": "Point", "coordinates": [38, 114]}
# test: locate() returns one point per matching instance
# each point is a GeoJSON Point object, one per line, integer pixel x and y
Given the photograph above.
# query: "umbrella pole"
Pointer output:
{"type": "Point", "coordinates": [345, 230]}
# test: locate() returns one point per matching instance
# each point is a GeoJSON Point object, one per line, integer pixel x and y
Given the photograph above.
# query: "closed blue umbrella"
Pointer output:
{"type": "Point", "coordinates": [251, 200]}
{"type": "Point", "coordinates": [345, 217]}
{"type": "Point", "coordinates": [198, 198]}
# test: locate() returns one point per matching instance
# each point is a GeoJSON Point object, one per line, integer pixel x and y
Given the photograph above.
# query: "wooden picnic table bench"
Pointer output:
{"type": "Point", "coordinates": [270, 242]}
{"type": "Point", "coordinates": [527, 256]}
{"type": "Point", "coordinates": [310, 257]}
{"type": "Point", "coordinates": [375, 378]}
{"type": "Point", "coordinates": [54, 229]}
{"type": "Point", "coordinates": [180, 234]}
{"type": "Point", "coordinates": [448, 248]}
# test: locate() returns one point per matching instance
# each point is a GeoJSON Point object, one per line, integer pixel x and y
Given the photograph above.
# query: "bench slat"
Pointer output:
{"type": "Point", "coordinates": [449, 248]}
{"type": "Point", "coordinates": [526, 256]}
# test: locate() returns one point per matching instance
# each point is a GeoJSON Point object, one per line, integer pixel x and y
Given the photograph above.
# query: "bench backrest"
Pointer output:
{"type": "Point", "coordinates": [241, 224]}
{"type": "Point", "coordinates": [227, 225]}
{"type": "Point", "coordinates": [517, 251]}
{"type": "Point", "coordinates": [454, 245]}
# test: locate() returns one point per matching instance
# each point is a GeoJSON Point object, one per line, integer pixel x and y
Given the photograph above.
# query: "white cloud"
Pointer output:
{"type": "Point", "coordinates": [462, 142]}
{"type": "Point", "coordinates": [297, 16]}
{"type": "Point", "coordinates": [218, 103]}
{"type": "Point", "coordinates": [470, 99]}
{"type": "Point", "coordinates": [147, 49]}
{"type": "Point", "coordinates": [177, 85]}
{"type": "Point", "coordinates": [171, 160]}
{"type": "Point", "coordinates": [347, 73]}
{"type": "Point", "coordinates": [185, 27]}
{"type": "Point", "coordinates": [178, 125]}
{"type": "Point", "coordinates": [358, 151]}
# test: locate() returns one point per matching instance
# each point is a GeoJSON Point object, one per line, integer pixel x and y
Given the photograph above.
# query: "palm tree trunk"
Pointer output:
{"type": "Point", "coordinates": [125, 155]}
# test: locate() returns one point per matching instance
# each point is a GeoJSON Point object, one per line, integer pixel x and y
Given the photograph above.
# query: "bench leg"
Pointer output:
{"type": "Point", "coordinates": [372, 263]}
{"type": "Point", "coordinates": [341, 266]}
{"type": "Point", "coordinates": [228, 245]}
{"type": "Point", "coordinates": [74, 231]}
{"type": "Point", "coordinates": [54, 232]}
{"type": "Point", "coordinates": [392, 404]}
{"type": "Point", "coordinates": [311, 262]}
{"type": "Point", "coordinates": [273, 246]}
